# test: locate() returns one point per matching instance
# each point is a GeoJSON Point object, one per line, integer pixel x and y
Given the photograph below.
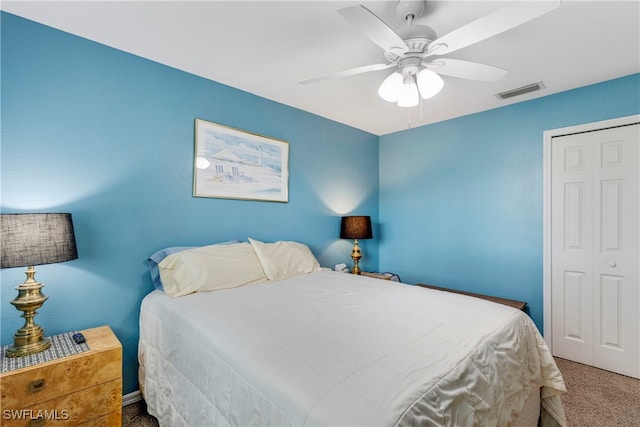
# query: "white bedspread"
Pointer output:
{"type": "Point", "coordinates": [331, 348]}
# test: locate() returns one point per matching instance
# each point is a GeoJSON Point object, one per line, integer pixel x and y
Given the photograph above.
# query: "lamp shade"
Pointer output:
{"type": "Point", "coordinates": [36, 239]}
{"type": "Point", "coordinates": [356, 227]}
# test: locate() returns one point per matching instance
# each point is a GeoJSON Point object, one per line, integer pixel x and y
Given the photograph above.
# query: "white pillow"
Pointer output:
{"type": "Point", "coordinates": [281, 260]}
{"type": "Point", "coordinates": [210, 268]}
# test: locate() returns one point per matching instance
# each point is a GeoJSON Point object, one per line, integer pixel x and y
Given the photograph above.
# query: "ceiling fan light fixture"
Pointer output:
{"type": "Point", "coordinates": [390, 88]}
{"type": "Point", "coordinates": [429, 83]}
{"type": "Point", "coordinates": [409, 96]}
{"type": "Point", "coordinates": [408, 48]}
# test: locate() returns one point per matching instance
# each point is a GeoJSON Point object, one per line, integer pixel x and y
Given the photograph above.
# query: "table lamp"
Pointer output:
{"type": "Point", "coordinates": [27, 240]}
{"type": "Point", "coordinates": [356, 227]}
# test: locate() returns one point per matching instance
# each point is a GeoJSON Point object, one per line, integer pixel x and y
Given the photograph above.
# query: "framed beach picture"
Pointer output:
{"type": "Point", "coordinates": [234, 164]}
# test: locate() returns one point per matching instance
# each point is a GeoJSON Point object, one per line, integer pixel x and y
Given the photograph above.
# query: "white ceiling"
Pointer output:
{"type": "Point", "coordinates": [266, 47]}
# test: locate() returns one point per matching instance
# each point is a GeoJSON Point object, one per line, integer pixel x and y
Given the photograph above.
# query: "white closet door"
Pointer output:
{"type": "Point", "coordinates": [595, 271]}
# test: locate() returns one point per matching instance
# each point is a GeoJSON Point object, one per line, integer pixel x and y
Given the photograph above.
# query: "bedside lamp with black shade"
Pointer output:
{"type": "Point", "coordinates": [356, 227]}
{"type": "Point", "coordinates": [27, 240]}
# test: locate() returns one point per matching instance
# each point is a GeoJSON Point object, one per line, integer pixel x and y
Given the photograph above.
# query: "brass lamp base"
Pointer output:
{"type": "Point", "coordinates": [28, 349]}
{"type": "Point", "coordinates": [355, 256]}
{"type": "Point", "coordinates": [29, 339]}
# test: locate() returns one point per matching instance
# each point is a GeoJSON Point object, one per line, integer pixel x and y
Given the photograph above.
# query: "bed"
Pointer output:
{"type": "Point", "coordinates": [302, 345]}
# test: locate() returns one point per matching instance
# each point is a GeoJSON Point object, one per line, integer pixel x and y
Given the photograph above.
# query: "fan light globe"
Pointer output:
{"type": "Point", "coordinates": [409, 96]}
{"type": "Point", "coordinates": [406, 92]}
{"type": "Point", "coordinates": [429, 83]}
{"type": "Point", "coordinates": [391, 86]}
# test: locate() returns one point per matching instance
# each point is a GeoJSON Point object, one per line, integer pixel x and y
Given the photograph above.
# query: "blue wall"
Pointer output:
{"type": "Point", "coordinates": [461, 201]}
{"type": "Point", "coordinates": [109, 137]}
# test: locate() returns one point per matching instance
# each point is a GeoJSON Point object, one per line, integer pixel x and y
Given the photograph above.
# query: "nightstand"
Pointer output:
{"type": "Point", "coordinates": [520, 305]}
{"type": "Point", "coordinates": [81, 389]}
{"type": "Point", "coordinates": [375, 275]}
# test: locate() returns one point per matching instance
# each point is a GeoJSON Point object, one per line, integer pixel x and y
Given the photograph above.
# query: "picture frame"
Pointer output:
{"type": "Point", "coordinates": [230, 163]}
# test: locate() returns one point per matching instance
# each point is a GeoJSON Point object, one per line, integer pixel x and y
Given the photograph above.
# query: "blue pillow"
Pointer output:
{"type": "Point", "coordinates": [156, 258]}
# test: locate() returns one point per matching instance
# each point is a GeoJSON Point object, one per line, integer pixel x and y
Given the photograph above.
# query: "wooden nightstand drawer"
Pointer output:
{"type": "Point", "coordinates": [71, 390]}
{"type": "Point", "coordinates": [28, 386]}
{"type": "Point", "coordinates": [76, 408]}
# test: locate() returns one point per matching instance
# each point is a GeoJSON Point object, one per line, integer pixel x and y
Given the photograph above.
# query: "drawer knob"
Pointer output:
{"type": "Point", "coordinates": [39, 422]}
{"type": "Point", "coordinates": [36, 385]}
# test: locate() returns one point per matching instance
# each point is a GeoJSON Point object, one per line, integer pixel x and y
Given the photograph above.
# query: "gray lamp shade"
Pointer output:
{"type": "Point", "coordinates": [356, 227]}
{"type": "Point", "coordinates": [36, 239]}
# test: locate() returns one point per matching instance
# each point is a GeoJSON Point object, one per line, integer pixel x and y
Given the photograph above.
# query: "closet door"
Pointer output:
{"type": "Point", "coordinates": [595, 233]}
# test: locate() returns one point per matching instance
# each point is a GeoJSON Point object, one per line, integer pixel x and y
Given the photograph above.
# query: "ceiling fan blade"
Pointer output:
{"type": "Point", "coordinates": [465, 69]}
{"type": "Point", "coordinates": [373, 27]}
{"type": "Point", "coordinates": [350, 72]}
{"type": "Point", "coordinates": [490, 25]}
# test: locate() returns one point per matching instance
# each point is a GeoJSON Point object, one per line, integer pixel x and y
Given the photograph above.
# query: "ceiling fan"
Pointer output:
{"type": "Point", "coordinates": [415, 52]}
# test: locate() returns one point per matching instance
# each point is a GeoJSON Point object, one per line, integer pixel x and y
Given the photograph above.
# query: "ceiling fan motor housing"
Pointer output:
{"type": "Point", "coordinates": [417, 39]}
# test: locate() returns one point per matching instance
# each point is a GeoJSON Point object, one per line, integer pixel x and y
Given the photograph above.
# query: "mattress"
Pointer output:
{"type": "Point", "coordinates": [330, 348]}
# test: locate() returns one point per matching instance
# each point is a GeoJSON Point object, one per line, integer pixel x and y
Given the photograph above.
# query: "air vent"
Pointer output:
{"type": "Point", "coordinates": [521, 90]}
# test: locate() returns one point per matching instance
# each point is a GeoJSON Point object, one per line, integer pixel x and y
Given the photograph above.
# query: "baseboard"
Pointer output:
{"type": "Point", "coordinates": [132, 397]}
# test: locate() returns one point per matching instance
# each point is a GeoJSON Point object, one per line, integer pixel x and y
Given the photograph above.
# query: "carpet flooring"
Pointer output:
{"type": "Point", "coordinates": [599, 398]}
{"type": "Point", "coordinates": [595, 398]}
